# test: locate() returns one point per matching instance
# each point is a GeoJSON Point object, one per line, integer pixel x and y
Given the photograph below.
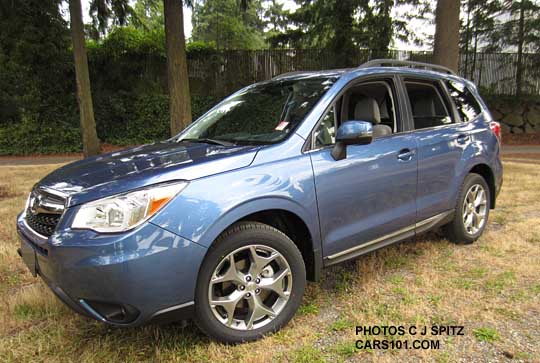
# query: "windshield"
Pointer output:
{"type": "Point", "coordinates": [262, 114]}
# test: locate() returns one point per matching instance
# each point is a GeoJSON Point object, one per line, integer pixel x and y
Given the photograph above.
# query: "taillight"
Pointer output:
{"type": "Point", "coordinates": [496, 128]}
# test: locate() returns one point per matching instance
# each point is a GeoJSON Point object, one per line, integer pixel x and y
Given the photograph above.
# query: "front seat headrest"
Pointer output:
{"type": "Point", "coordinates": [367, 109]}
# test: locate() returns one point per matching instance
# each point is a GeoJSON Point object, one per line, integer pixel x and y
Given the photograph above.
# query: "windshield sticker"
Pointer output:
{"type": "Point", "coordinates": [281, 126]}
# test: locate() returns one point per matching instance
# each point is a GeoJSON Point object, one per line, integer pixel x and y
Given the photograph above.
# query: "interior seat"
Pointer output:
{"type": "Point", "coordinates": [424, 107]}
{"type": "Point", "coordinates": [367, 109]}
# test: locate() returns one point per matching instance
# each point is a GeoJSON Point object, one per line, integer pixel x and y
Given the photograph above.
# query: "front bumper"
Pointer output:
{"type": "Point", "coordinates": [145, 275]}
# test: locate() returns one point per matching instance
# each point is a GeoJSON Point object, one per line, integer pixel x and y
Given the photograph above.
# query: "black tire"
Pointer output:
{"type": "Point", "coordinates": [455, 231]}
{"type": "Point", "coordinates": [240, 235]}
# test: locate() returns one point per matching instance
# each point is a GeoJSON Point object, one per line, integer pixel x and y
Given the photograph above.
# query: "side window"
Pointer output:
{"type": "Point", "coordinates": [467, 106]}
{"type": "Point", "coordinates": [427, 105]}
{"type": "Point", "coordinates": [325, 134]}
{"type": "Point", "coordinates": [372, 101]}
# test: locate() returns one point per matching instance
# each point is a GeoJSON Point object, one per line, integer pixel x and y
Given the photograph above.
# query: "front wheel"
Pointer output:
{"type": "Point", "coordinates": [250, 283]}
{"type": "Point", "coordinates": [471, 212]}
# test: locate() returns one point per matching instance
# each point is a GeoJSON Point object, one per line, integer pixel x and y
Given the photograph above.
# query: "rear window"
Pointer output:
{"type": "Point", "coordinates": [467, 106]}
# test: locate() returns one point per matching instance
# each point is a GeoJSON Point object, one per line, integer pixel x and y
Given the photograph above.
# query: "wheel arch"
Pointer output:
{"type": "Point", "coordinates": [485, 172]}
{"type": "Point", "coordinates": [285, 216]}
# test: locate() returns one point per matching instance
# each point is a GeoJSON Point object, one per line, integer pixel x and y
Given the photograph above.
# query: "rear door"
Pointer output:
{"type": "Point", "coordinates": [441, 139]}
{"type": "Point", "coordinates": [371, 193]}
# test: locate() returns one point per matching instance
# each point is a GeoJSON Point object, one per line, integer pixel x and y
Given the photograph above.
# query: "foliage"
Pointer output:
{"type": "Point", "coordinates": [31, 137]}
{"type": "Point", "coordinates": [506, 33]}
{"type": "Point", "coordinates": [200, 47]}
{"type": "Point", "coordinates": [225, 24]}
{"type": "Point", "coordinates": [486, 334]}
{"type": "Point", "coordinates": [478, 22]}
{"type": "Point", "coordinates": [477, 25]}
{"type": "Point", "coordinates": [127, 58]}
{"type": "Point", "coordinates": [40, 114]}
{"type": "Point", "coordinates": [35, 96]}
{"type": "Point", "coordinates": [276, 20]}
{"type": "Point", "coordinates": [128, 119]}
{"type": "Point", "coordinates": [345, 26]}
{"type": "Point", "coordinates": [148, 15]}
{"type": "Point", "coordinates": [122, 119]}
{"type": "Point", "coordinates": [104, 11]}
{"type": "Point", "coordinates": [33, 37]}
{"type": "Point", "coordinates": [519, 31]}
{"type": "Point", "coordinates": [411, 19]}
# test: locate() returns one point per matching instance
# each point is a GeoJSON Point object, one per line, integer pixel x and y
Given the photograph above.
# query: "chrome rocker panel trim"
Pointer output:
{"type": "Point", "coordinates": [390, 238]}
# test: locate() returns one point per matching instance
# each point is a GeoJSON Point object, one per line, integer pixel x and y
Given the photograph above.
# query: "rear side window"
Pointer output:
{"type": "Point", "coordinates": [427, 105]}
{"type": "Point", "coordinates": [466, 104]}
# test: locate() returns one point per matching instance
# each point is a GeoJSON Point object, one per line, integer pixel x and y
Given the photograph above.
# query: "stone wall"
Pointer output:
{"type": "Point", "coordinates": [516, 116]}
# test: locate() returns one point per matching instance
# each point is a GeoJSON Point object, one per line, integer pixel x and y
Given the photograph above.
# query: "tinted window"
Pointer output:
{"type": "Point", "coordinates": [467, 106]}
{"type": "Point", "coordinates": [427, 105]}
{"type": "Point", "coordinates": [263, 113]}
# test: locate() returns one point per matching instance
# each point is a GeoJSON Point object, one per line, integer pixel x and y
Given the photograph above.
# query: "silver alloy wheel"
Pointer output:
{"type": "Point", "coordinates": [250, 287]}
{"type": "Point", "coordinates": [474, 209]}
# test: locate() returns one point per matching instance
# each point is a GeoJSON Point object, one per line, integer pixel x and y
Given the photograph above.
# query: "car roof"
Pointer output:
{"type": "Point", "coordinates": [362, 71]}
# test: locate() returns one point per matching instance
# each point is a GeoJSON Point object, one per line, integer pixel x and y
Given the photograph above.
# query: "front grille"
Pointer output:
{"type": "Point", "coordinates": [42, 223]}
{"type": "Point", "coordinates": [43, 211]}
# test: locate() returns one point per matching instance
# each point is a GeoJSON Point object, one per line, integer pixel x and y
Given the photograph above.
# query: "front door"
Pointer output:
{"type": "Point", "coordinates": [372, 192]}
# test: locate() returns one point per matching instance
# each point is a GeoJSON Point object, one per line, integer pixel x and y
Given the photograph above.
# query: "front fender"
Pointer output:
{"type": "Point", "coordinates": [208, 206]}
{"type": "Point", "coordinates": [258, 205]}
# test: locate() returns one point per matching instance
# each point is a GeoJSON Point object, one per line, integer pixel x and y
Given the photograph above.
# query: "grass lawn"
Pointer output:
{"type": "Point", "coordinates": [491, 287]}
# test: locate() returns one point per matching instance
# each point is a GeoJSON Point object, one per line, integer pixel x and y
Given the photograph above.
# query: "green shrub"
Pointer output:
{"type": "Point", "coordinates": [121, 119]}
{"type": "Point", "coordinates": [30, 137]}
{"type": "Point", "coordinates": [38, 105]}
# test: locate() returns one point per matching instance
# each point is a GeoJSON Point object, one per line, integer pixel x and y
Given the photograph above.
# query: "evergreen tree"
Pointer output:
{"type": "Point", "coordinates": [344, 26]}
{"type": "Point", "coordinates": [229, 24]}
{"type": "Point", "coordinates": [34, 60]}
{"type": "Point", "coordinates": [477, 26]}
{"type": "Point", "coordinates": [107, 13]}
{"type": "Point", "coordinates": [276, 20]}
{"type": "Point", "coordinates": [148, 15]}
{"type": "Point", "coordinates": [518, 30]}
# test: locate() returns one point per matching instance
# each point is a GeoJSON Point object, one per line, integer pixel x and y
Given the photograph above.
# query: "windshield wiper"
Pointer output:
{"type": "Point", "coordinates": [210, 141]}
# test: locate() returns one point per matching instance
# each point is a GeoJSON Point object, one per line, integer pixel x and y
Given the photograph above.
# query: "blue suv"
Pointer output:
{"type": "Point", "coordinates": [226, 221]}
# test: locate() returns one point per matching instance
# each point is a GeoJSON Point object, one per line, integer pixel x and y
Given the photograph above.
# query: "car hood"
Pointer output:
{"type": "Point", "coordinates": [121, 171]}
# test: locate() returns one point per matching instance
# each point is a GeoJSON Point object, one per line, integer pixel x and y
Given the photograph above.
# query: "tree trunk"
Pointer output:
{"type": "Point", "coordinates": [521, 36]}
{"type": "Point", "coordinates": [84, 94]}
{"type": "Point", "coordinates": [177, 74]}
{"type": "Point", "coordinates": [475, 54]}
{"type": "Point", "coordinates": [467, 38]}
{"type": "Point", "coordinates": [446, 48]}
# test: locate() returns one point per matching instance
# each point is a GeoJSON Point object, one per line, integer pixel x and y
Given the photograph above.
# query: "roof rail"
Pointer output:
{"type": "Point", "coordinates": [405, 63]}
{"type": "Point", "coordinates": [286, 74]}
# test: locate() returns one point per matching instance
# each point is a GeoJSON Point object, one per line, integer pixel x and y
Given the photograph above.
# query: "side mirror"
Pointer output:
{"type": "Point", "coordinates": [351, 133]}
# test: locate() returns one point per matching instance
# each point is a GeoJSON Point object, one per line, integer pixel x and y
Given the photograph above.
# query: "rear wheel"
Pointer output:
{"type": "Point", "coordinates": [250, 284]}
{"type": "Point", "coordinates": [471, 211]}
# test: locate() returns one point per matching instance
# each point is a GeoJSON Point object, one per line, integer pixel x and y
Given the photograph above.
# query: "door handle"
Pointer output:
{"type": "Point", "coordinates": [463, 139]}
{"type": "Point", "coordinates": [405, 154]}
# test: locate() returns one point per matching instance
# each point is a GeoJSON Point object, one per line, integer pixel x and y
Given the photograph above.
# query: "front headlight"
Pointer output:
{"type": "Point", "coordinates": [125, 211]}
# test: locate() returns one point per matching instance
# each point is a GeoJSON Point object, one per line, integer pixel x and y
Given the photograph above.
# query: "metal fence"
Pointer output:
{"type": "Point", "coordinates": [221, 73]}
